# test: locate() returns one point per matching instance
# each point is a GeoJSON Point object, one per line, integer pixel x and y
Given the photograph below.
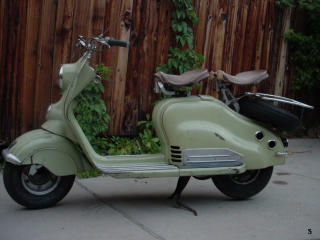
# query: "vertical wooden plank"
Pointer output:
{"type": "Point", "coordinates": [62, 42]}
{"type": "Point", "coordinates": [261, 26]}
{"type": "Point", "coordinates": [164, 31]}
{"type": "Point", "coordinates": [268, 35]}
{"type": "Point", "coordinates": [30, 63]}
{"type": "Point", "coordinates": [109, 56]}
{"type": "Point", "coordinates": [230, 35]}
{"type": "Point", "coordinates": [3, 31]}
{"type": "Point", "coordinates": [276, 24]}
{"type": "Point", "coordinates": [240, 36]}
{"type": "Point", "coordinates": [149, 46]}
{"type": "Point", "coordinates": [81, 22]}
{"type": "Point", "coordinates": [13, 69]}
{"type": "Point", "coordinates": [250, 36]}
{"type": "Point", "coordinates": [44, 61]}
{"type": "Point", "coordinates": [260, 32]}
{"type": "Point", "coordinates": [208, 41]}
{"type": "Point", "coordinates": [282, 60]}
{"type": "Point", "coordinates": [209, 44]}
{"type": "Point", "coordinates": [18, 68]}
{"type": "Point", "coordinates": [250, 40]}
{"type": "Point", "coordinates": [131, 105]}
{"type": "Point", "coordinates": [96, 26]}
{"type": "Point", "coordinates": [4, 5]}
{"type": "Point", "coordinates": [201, 9]}
{"type": "Point", "coordinates": [240, 39]}
{"type": "Point", "coordinates": [120, 71]}
{"type": "Point", "coordinates": [219, 34]}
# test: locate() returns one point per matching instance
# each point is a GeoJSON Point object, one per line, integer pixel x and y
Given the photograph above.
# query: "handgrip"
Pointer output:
{"type": "Point", "coordinates": [114, 42]}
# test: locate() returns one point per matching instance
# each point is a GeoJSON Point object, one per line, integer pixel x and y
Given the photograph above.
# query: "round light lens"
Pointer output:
{"type": "Point", "coordinates": [259, 135]}
{"type": "Point", "coordinates": [272, 144]}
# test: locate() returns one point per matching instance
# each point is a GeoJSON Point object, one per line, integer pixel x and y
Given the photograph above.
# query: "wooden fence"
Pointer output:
{"type": "Point", "coordinates": [37, 36]}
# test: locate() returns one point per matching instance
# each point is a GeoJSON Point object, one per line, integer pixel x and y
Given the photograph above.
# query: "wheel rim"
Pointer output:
{"type": "Point", "coordinates": [38, 180]}
{"type": "Point", "coordinates": [245, 178]}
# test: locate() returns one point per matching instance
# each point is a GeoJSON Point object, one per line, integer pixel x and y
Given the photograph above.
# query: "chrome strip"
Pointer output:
{"type": "Point", "coordinates": [9, 157]}
{"type": "Point", "coordinates": [216, 164]}
{"type": "Point", "coordinates": [216, 161]}
{"type": "Point", "coordinates": [135, 168]}
{"type": "Point", "coordinates": [270, 97]}
{"type": "Point", "coordinates": [211, 157]}
{"type": "Point", "coordinates": [208, 156]}
{"type": "Point", "coordinates": [282, 153]}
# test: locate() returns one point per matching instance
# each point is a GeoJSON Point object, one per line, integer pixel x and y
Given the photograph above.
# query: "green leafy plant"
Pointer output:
{"type": "Point", "coordinates": [147, 138]}
{"type": "Point", "coordinates": [123, 146]}
{"type": "Point", "coordinates": [305, 56]}
{"type": "Point", "coordinates": [89, 174]}
{"type": "Point", "coordinates": [304, 46]}
{"type": "Point", "coordinates": [145, 143]}
{"type": "Point", "coordinates": [181, 56]}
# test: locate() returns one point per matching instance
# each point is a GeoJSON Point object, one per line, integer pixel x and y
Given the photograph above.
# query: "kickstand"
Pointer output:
{"type": "Point", "coordinates": [176, 196]}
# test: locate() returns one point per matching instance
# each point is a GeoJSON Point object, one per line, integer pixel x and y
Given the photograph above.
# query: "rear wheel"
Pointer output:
{"type": "Point", "coordinates": [245, 185]}
{"type": "Point", "coordinates": [35, 187]}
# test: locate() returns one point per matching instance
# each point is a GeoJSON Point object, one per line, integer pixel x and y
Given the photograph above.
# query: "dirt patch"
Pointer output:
{"type": "Point", "coordinates": [283, 173]}
{"type": "Point", "coordinates": [278, 182]}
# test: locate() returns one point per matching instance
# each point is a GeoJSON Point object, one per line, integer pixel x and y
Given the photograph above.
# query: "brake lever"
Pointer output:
{"type": "Point", "coordinates": [102, 41]}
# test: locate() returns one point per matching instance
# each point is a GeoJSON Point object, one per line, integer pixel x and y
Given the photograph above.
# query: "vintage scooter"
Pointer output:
{"type": "Point", "coordinates": [234, 141]}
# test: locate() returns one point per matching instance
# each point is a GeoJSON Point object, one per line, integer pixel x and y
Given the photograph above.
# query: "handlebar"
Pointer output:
{"type": "Point", "coordinates": [90, 44]}
{"type": "Point", "coordinates": [114, 42]}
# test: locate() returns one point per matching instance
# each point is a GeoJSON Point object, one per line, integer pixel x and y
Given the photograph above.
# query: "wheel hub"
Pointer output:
{"type": "Point", "coordinates": [38, 180]}
{"type": "Point", "coordinates": [246, 177]}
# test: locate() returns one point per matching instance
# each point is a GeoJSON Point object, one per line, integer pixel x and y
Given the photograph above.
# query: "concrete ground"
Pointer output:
{"type": "Point", "coordinates": [106, 208]}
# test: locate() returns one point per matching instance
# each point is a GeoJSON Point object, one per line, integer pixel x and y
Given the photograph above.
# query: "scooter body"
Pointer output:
{"type": "Point", "coordinates": [199, 136]}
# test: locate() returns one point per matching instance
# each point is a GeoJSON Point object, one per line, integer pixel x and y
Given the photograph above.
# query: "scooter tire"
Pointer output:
{"type": "Point", "coordinates": [12, 178]}
{"type": "Point", "coordinates": [268, 113]}
{"type": "Point", "coordinates": [240, 189]}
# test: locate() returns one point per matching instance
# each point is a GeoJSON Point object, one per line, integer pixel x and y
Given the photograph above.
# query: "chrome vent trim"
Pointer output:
{"type": "Point", "coordinates": [176, 154]}
{"type": "Point", "coordinates": [211, 157]}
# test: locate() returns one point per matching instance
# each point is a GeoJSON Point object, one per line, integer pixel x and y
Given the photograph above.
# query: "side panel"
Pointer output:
{"type": "Point", "coordinates": [56, 153]}
{"type": "Point", "coordinates": [205, 122]}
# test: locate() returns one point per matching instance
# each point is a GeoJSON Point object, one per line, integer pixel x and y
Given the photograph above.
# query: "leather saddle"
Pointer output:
{"type": "Point", "coordinates": [187, 78]}
{"type": "Point", "coordinates": [195, 76]}
{"type": "Point", "coordinates": [244, 78]}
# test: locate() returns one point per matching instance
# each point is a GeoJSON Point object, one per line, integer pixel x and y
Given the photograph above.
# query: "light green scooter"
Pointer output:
{"type": "Point", "coordinates": [234, 141]}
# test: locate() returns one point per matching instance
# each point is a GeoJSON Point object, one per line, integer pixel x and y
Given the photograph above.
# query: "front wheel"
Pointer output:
{"type": "Point", "coordinates": [35, 187]}
{"type": "Point", "coordinates": [245, 185]}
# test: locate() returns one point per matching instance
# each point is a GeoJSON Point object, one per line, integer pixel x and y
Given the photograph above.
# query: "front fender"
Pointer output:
{"type": "Point", "coordinates": [56, 153]}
